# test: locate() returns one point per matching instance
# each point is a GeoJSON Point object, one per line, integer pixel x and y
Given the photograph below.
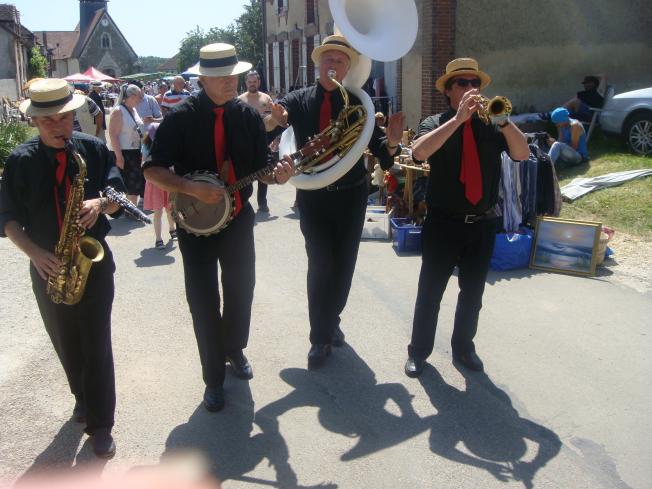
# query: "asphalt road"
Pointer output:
{"type": "Point", "coordinates": [563, 403]}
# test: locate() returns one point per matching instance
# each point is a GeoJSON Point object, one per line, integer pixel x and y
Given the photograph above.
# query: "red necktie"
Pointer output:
{"type": "Point", "coordinates": [60, 174]}
{"type": "Point", "coordinates": [471, 173]}
{"type": "Point", "coordinates": [220, 154]}
{"type": "Point", "coordinates": [325, 111]}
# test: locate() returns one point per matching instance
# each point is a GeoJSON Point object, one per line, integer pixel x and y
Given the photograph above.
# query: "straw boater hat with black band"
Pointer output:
{"type": "Point", "coordinates": [49, 97]}
{"type": "Point", "coordinates": [460, 67]}
{"type": "Point", "coordinates": [220, 59]}
{"type": "Point", "coordinates": [360, 66]}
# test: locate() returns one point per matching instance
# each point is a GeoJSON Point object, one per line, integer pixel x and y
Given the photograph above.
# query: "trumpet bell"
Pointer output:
{"type": "Point", "coordinates": [383, 30]}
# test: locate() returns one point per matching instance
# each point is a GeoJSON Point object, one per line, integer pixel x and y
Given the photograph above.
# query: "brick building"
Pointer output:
{"type": "Point", "coordinates": [536, 52]}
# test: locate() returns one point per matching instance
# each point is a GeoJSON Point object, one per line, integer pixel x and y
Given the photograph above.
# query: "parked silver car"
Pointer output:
{"type": "Point", "coordinates": [629, 115]}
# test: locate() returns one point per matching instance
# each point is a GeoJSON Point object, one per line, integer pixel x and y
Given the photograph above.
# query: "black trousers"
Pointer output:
{"type": "Point", "coordinates": [261, 196]}
{"type": "Point", "coordinates": [219, 333]}
{"type": "Point", "coordinates": [331, 223]}
{"type": "Point", "coordinates": [446, 244]}
{"type": "Point", "coordinates": [81, 336]}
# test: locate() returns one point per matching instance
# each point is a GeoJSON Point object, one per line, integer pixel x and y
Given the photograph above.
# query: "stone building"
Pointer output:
{"type": "Point", "coordinates": [536, 52]}
{"type": "Point", "coordinates": [96, 41]}
{"type": "Point", "coordinates": [15, 43]}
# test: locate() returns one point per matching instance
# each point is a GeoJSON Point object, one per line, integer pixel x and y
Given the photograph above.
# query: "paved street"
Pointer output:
{"type": "Point", "coordinates": [563, 403]}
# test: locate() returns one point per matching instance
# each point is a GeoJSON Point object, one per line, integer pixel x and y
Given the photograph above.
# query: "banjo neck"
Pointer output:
{"type": "Point", "coordinates": [268, 170]}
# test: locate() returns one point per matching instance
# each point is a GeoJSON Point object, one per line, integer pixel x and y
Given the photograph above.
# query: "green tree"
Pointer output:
{"type": "Point", "coordinates": [36, 63]}
{"type": "Point", "coordinates": [246, 34]}
{"type": "Point", "coordinates": [149, 64]}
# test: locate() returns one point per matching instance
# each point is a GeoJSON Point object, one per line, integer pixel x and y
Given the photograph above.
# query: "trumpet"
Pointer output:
{"type": "Point", "coordinates": [495, 107]}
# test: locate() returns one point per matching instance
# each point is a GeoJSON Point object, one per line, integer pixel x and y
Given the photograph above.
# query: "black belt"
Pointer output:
{"type": "Point", "coordinates": [346, 186]}
{"type": "Point", "coordinates": [465, 218]}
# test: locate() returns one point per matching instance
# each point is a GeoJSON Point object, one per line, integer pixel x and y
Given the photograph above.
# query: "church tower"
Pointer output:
{"type": "Point", "coordinates": [87, 9]}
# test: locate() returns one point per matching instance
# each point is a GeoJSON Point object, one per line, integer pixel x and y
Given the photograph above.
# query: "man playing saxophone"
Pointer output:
{"type": "Point", "coordinates": [35, 187]}
{"type": "Point", "coordinates": [464, 153]}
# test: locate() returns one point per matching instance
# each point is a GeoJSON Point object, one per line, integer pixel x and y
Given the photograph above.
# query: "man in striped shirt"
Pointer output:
{"type": "Point", "coordinates": [176, 95]}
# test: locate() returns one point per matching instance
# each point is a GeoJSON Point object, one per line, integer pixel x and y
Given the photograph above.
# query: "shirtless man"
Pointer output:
{"type": "Point", "coordinates": [263, 104]}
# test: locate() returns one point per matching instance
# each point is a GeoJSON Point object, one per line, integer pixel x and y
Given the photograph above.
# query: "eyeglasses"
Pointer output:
{"type": "Point", "coordinates": [465, 82]}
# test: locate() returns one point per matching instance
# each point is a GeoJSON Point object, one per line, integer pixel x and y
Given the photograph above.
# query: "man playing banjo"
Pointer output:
{"type": "Point", "coordinates": [215, 132]}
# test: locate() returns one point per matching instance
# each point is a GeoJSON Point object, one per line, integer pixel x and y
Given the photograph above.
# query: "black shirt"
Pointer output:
{"type": "Point", "coordinates": [591, 98]}
{"type": "Point", "coordinates": [186, 139]}
{"type": "Point", "coordinates": [303, 107]}
{"type": "Point", "coordinates": [28, 181]}
{"type": "Point", "coordinates": [445, 191]}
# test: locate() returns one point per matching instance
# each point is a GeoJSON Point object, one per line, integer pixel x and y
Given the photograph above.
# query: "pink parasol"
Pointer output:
{"type": "Point", "coordinates": [96, 74]}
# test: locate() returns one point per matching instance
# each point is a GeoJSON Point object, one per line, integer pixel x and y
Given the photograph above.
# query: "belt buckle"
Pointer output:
{"type": "Point", "coordinates": [470, 218]}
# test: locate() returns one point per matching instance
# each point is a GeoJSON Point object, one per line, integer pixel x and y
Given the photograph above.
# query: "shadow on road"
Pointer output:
{"type": "Point", "coordinates": [124, 225]}
{"type": "Point", "coordinates": [225, 440]}
{"type": "Point", "coordinates": [496, 276]}
{"type": "Point", "coordinates": [60, 457]}
{"type": "Point", "coordinates": [152, 257]}
{"type": "Point", "coordinates": [491, 431]}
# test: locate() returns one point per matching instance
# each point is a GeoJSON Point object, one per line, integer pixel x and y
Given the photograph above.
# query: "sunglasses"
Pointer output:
{"type": "Point", "coordinates": [464, 82]}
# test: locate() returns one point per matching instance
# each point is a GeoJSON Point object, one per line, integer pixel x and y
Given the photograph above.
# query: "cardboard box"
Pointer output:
{"type": "Point", "coordinates": [377, 223]}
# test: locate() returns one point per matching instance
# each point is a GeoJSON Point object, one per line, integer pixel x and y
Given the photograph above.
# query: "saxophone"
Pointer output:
{"type": "Point", "coordinates": [75, 251]}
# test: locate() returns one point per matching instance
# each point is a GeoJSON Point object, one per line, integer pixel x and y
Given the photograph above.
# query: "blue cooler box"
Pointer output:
{"type": "Point", "coordinates": [406, 236]}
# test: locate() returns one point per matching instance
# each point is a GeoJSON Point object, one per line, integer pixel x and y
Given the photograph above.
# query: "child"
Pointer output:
{"type": "Point", "coordinates": [156, 199]}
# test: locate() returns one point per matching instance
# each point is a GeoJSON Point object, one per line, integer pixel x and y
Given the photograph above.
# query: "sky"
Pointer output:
{"type": "Point", "coordinates": [152, 28]}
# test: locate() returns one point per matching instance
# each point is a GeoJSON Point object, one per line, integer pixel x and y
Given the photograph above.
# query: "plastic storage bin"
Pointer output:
{"type": "Point", "coordinates": [406, 236]}
{"type": "Point", "coordinates": [376, 223]}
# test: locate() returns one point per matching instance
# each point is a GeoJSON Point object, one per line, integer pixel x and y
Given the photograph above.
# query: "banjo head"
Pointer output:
{"type": "Point", "coordinates": [197, 217]}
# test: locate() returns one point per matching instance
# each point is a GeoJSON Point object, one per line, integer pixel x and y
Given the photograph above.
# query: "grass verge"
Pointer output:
{"type": "Point", "coordinates": [626, 208]}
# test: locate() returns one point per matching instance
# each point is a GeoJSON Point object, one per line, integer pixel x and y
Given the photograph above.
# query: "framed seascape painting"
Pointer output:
{"type": "Point", "coordinates": [565, 246]}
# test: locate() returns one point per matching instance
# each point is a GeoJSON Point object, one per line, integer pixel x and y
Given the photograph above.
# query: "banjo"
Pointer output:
{"type": "Point", "coordinates": [203, 219]}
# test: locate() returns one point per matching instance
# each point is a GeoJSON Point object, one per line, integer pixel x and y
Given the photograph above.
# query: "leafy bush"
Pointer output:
{"type": "Point", "coordinates": [11, 135]}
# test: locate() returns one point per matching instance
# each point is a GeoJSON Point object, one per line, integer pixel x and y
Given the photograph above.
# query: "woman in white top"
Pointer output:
{"type": "Point", "coordinates": [124, 140]}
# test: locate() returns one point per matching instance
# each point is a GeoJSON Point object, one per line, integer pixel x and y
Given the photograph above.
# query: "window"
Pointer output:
{"type": "Point", "coordinates": [310, 11]}
{"type": "Point", "coordinates": [106, 41]}
{"type": "Point", "coordinates": [282, 9]}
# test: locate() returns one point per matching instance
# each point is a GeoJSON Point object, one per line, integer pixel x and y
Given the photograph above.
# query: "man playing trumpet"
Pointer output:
{"type": "Point", "coordinates": [460, 228]}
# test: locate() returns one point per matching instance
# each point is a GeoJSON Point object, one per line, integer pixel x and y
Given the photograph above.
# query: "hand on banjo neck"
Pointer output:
{"type": "Point", "coordinates": [282, 171]}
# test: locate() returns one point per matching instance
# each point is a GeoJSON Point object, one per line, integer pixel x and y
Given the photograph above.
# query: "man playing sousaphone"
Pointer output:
{"type": "Point", "coordinates": [218, 133]}
{"type": "Point", "coordinates": [332, 217]}
{"type": "Point", "coordinates": [43, 206]}
{"type": "Point", "coordinates": [465, 159]}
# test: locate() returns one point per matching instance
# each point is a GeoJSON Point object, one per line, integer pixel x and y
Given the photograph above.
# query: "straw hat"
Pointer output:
{"type": "Point", "coordinates": [335, 43]}
{"type": "Point", "coordinates": [219, 59]}
{"type": "Point", "coordinates": [51, 96]}
{"type": "Point", "coordinates": [360, 66]}
{"type": "Point", "coordinates": [462, 66]}
{"type": "Point", "coordinates": [29, 83]}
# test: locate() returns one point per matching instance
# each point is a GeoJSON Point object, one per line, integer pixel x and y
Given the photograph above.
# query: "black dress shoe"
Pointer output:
{"type": "Point", "coordinates": [414, 367]}
{"type": "Point", "coordinates": [338, 337]}
{"type": "Point", "coordinates": [318, 354]}
{"type": "Point", "coordinates": [470, 360]}
{"type": "Point", "coordinates": [79, 411]}
{"type": "Point", "coordinates": [103, 444]}
{"type": "Point", "coordinates": [214, 398]}
{"type": "Point", "coordinates": [240, 365]}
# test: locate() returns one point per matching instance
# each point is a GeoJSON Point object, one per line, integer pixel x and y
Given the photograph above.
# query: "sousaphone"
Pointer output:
{"type": "Point", "coordinates": [383, 30]}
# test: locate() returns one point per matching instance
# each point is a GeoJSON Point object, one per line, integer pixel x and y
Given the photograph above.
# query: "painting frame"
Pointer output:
{"type": "Point", "coordinates": [566, 246]}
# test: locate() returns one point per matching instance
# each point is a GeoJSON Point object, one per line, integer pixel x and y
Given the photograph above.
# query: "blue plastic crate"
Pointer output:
{"type": "Point", "coordinates": [406, 237]}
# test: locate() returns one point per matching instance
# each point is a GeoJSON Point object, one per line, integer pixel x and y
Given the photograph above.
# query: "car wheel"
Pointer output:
{"type": "Point", "coordinates": [638, 133]}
